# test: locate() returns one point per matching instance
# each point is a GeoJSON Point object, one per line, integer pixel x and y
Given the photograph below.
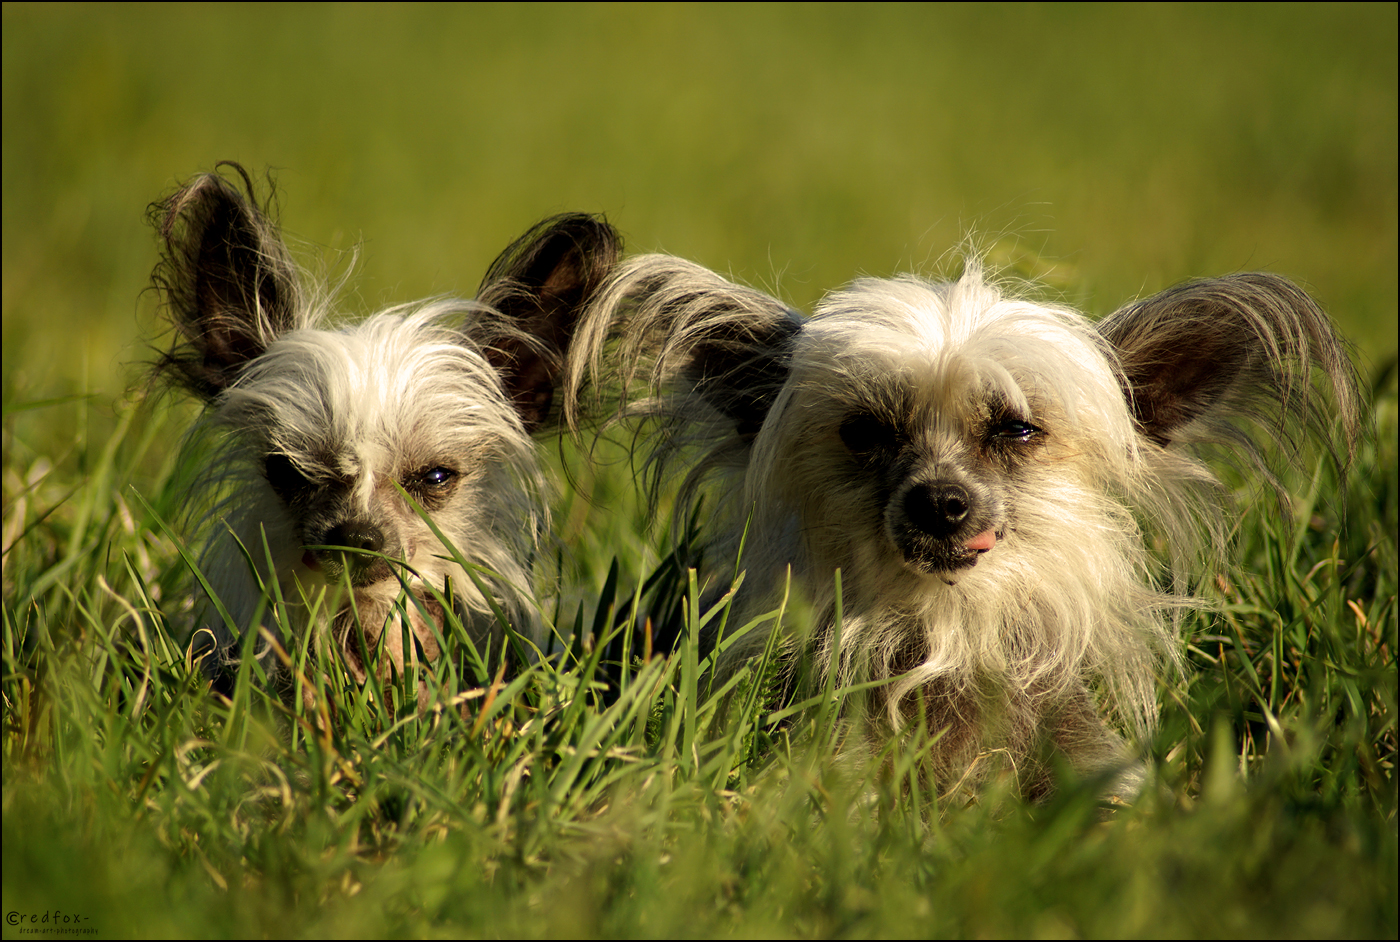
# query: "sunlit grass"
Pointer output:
{"type": "Point", "coordinates": [550, 803]}
{"type": "Point", "coordinates": [1105, 151]}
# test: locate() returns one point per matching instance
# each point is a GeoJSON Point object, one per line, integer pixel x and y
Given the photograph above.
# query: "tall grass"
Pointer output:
{"type": "Point", "coordinates": [570, 799]}
{"type": "Point", "coordinates": [1118, 148]}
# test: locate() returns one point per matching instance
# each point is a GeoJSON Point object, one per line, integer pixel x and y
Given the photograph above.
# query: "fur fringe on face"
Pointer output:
{"type": "Point", "coordinates": [987, 474]}
{"type": "Point", "coordinates": [327, 436]}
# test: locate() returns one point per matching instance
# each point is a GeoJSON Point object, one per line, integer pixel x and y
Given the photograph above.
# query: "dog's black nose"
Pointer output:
{"type": "Point", "coordinates": [937, 509]}
{"type": "Point", "coordinates": [358, 535]}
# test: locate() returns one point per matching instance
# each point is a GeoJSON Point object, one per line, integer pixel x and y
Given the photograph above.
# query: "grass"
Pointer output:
{"type": "Point", "coordinates": [141, 804]}
{"type": "Point", "coordinates": [1107, 151]}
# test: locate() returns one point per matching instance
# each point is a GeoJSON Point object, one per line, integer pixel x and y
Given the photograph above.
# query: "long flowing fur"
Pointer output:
{"type": "Point", "coordinates": [365, 473]}
{"type": "Point", "coordinates": [986, 472]}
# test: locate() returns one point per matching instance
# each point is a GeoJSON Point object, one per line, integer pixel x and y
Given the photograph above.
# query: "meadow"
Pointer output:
{"type": "Point", "coordinates": [1105, 152]}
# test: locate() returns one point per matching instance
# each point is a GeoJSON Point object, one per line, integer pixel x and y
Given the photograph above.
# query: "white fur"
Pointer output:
{"type": "Point", "coordinates": [369, 477]}
{"type": "Point", "coordinates": [360, 409]}
{"type": "Point", "coordinates": [980, 469]}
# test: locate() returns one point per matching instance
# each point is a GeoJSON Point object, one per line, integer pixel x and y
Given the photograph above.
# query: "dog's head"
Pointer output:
{"type": "Point", "coordinates": [894, 433]}
{"type": "Point", "coordinates": [382, 454]}
{"type": "Point", "coordinates": [979, 467]}
{"type": "Point", "coordinates": [928, 428]}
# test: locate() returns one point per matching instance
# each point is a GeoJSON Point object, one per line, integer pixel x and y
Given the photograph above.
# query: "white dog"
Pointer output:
{"type": "Point", "coordinates": [331, 438]}
{"type": "Point", "coordinates": [986, 473]}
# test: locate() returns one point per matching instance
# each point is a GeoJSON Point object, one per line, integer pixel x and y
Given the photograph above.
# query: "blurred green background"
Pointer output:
{"type": "Point", "coordinates": [1111, 150]}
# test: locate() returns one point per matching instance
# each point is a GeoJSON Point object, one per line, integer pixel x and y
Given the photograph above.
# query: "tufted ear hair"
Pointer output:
{"type": "Point", "coordinates": [703, 335]}
{"type": "Point", "coordinates": [226, 279]}
{"type": "Point", "coordinates": [536, 291]}
{"type": "Point", "coordinates": [1198, 358]}
{"type": "Point", "coordinates": [738, 366]}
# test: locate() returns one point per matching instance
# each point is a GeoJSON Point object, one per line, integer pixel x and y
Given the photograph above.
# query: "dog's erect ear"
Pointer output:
{"type": "Point", "coordinates": [1199, 356]}
{"type": "Point", "coordinates": [738, 365]}
{"type": "Point", "coordinates": [704, 336]}
{"type": "Point", "coordinates": [539, 285]}
{"type": "Point", "coordinates": [228, 281]}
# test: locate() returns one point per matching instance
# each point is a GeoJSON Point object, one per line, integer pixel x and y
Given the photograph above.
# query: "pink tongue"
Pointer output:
{"type": "Point", "coordinates": [982, 541]}
{"type": "Point", "coordinates": [308, 559]}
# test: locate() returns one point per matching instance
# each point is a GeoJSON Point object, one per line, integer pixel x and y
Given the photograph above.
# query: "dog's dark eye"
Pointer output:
{"type": "Point", "coordinates": [863, 433]}
{"type": "Point", "coordinates": [431, 487]}
{"type": "Point", "coordinates": [283, 475]}
{"type": "Point", "coordinates": [438, 477]}
{"type": "Point", "coordinates": [428, 481]}
{"type": "Point", "coordinates": [1013, 430]}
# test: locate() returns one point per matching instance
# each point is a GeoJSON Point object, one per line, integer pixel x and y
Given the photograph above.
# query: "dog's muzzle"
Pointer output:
{"type": "Point", "coordinates": [941, 526]}
{"type": "Point", "coordinates": [362, 538]}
